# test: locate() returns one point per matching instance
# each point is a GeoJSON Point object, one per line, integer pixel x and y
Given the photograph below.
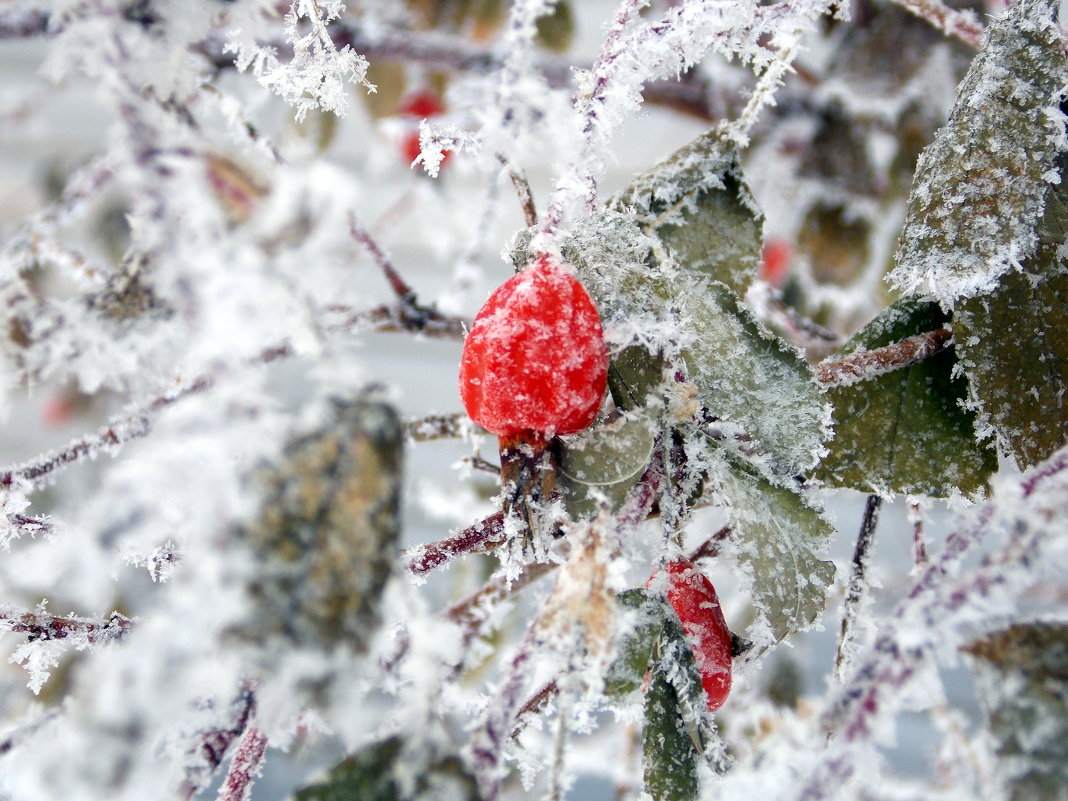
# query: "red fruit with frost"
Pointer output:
{"type": "Point", "coordinates": [535, 358]}
{"type": "Point", "coordinates": [420, 105]}
{"type": "Point", "coordinates": [775, 261]}
{"type": "Point", "coordinates": [694, 600]}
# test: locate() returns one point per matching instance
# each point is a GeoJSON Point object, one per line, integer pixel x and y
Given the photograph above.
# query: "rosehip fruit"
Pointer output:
{"type": "Point", "coordinates": [535, 358]}
{"type": "Point", "coordinates": [694, 600]}
{"type": "Point", "coordinates": [421, 104]}
{"type": "Point", "coordinates": [775, 261]}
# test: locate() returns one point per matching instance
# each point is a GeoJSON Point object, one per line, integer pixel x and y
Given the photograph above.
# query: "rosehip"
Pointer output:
{"type": "Point", "coordinates": [694, 600]}
{"type": "Point", "coordinates": [411, 148]}
{"type": "Point", "coordinates": [775, 261]}
{"type": "Point", "coordinates": [535, 358]}
{"type": "Point", "coordinates": [421, 104]}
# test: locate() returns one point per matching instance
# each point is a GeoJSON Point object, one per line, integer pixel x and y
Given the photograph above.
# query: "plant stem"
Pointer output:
{"type": "Point", "coordinates": [855, 591]}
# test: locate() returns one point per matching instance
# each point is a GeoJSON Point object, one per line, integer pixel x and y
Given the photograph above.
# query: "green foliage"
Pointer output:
{"type": "Point", "coordinates": [635, 651]}
{"type": "Point", "coordinates": [905, 431]}
{"type": "Point", "coordinates": [981, 185]}
{"type": "Point", "coordinates": [1023, 683]}
{"type": "Point", "coordinates": [603, 462]}
{"type": "Point", "coordinates": [391, 771]}
{"type": "Point", "coordinates": [1013, 343]}
{"type": "Point", "coordinates": [776, 532]}
{"type": "Point", "coordinates": [668, 753]}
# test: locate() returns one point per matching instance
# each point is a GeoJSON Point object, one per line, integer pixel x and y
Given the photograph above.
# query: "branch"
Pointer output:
{"type": "Point", "coordinates": [961, 23]}
{"type": "Point", "coordinates": [23, 23]}
{"type": "Point", "coordinates": [40, 626]}
{"type": "Point", "coordinates": [246, 765]}
{"type": "Point", "coordinates": [214, 743]}
{"type": "Point", "coordinates": [856, 367]}
{"type": "Point", "coordinates": [470, 612]}
{"type": "Point", "coordinates": [405, 317]}
{"type": "Point", "coordinates": [482, 537]}
{"type": "Point", "coordinates": [442, 426]}
{"type": "Point", "coordinates": [855, 591]}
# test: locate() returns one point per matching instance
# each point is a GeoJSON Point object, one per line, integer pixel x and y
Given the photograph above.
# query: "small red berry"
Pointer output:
{"type": "Point", "coordinates": [535, 358]}
{"type": "Point", "coordinates": [775, 261]}
{"type": "Point", "coordinates": [694, 600]}
{"type": "Point", "coordinates": [411, 148]}
{"type": "Point", "coordinates": [420, 105]}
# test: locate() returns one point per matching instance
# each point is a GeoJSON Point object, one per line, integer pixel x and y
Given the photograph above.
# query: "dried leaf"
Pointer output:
{"type": "Point", "coordinates": [776, 531]}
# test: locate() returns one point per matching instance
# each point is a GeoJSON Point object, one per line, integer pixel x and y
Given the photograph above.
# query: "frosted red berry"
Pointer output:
{"type": "Point", "coordinates": [694, 600]}
{"type": "Point", "coordinates": [775, 261]}
{"type": "Point", "coordinates": [535, 358]}
{"type": "Point", "coordinates": [421, 104]}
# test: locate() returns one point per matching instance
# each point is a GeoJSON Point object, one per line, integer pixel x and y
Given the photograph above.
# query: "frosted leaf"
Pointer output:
{"type": "Point", "coordinates": [905, 431]}
{"type": "Point", "coordinates": [1023, 682]}
{"type": "Point", "coordinates": [776, 531]}
{"type": "Point", "coordinates": [982, 185]}
{"type": "Point", "coordinates": [668, 755]}
{"type": "Point", "coordinates": [696, 202]}
{"type": "Point", "coordinates": [603, 463]}
{"type": "Point", "coordinates": [1013, 343]}
{"type": "Point", "coordinates": [747, 375]}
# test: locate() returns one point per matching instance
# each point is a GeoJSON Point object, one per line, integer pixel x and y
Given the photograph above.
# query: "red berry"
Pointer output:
{"type": "Point", "coordinates": [694, 600]}
{"type": "Point", "coordinates": [775, 261]}
{"type": "Point", "coordinates": [411, 148]}
{"type": "Point", "coordinates": [421, 104]}
{"type": "Point", "coordinates": [535, 358]}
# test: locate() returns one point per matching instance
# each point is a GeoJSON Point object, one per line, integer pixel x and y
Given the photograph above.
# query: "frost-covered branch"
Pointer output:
{"type": "Point", "coordinates": [865, 365]}
{"type": "Point", "coordinates": [41, 626]}
{"type": "Point", "coordinates": [856, 587]}
{"type": "Point", "coordinates": [961, 23]}
{"type": "Point", "coordinates": [485, 535]}
{"type": "Point", "coordinates": [246, 765]}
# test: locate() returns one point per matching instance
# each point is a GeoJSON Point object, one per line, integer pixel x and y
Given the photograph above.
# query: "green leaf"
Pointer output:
{"type": "Point", "coordinates": [603, 463]}
{"type": "Point", "coordinates": [776, 531]}
{"type": "Point", "coordinates": [668, 754]}
{"type": "Point", "coordinates": [696, 202]}
{"type": "Point", "coordinates": [391, 771]}
{"type": "Point", "coordinates": [634, 375]}
{"type": "Point", "coordinates": [1022, 677]}
{"type": "Point", "coordinates": [747, 375]}
{"type": "Point", "coordinates": [634, 652]}
{"type": "Point", "coordinates": [981, 185]}
{"type": "Point", "coordinates": [905, 431]}
{"type": "Point", "coordinates": [1013, 343]}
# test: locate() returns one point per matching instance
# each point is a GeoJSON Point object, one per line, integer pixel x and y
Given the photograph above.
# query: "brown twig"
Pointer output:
{"type": "Point", "coordinates": [40, 626]}
{"type": "Point", "coordinates": [855, 591]}
{"type": "Point", "coordinates": [213, 744]}
{"type": "Point", "coordinates": [961, 23]}
{"type": "Point", "coordinates": [534, 705]}
{"type": "Point", "coordinates": [400, 287]}
{"type": "Point", "coordinates": [522, 190]}
{"type": "Point", "coordinates": [856, 367]}
{"type": "Point", "coordinates": [470, 612]}
{"type": "Point", "coordinates": [442, 426]}
{"type": "Point", "coordinates": [482, 537]}
{"type": "Point", "coordinates": [401, 318]}
{"type": "Point", "coordinates": [246, 764]}
{"type": "Point", "coordinates": [919, 546]}
{"type": "Point", "coordinates": [710, 547]}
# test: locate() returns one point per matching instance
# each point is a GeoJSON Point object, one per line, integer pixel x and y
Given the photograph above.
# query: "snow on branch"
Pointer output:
{"type": "Point", "coordinates": [865, 365]}
{"type": "Point", "coordinates": [318, 73]}
{"type": "Point", "coordinates": [961, 23]}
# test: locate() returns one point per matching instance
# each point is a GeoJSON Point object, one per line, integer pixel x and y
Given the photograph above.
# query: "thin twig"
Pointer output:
{"type": "Point", "coordinates": [855, 591]}
{"type": "Point", "coordinates": [399, 286]}
{"type": "Point", "coordinates": [442, 426]}
{"type": "Point", "coordinates": [40, 626]}
{"type": "Point", "coordinates": [246, 765]}
{"type": "Point", "coordinates": [522, 190]}
{"type": "Point", "coordinates": [535, 705]}
{"type": "Point", "coordinates": [710, 547]}
{"type": "Point", "coordinates": [856, 367]}
{"type": "Point", "coordinates": [919, 546]}
{"type": "Point", "coordinates": [483, 536]}
{"type": "Point", "coordinates": [471, 611]}
{"type": "Point", "coordinates": [961, 23]}
{"type": "Point", "coordinates": [402, 318]}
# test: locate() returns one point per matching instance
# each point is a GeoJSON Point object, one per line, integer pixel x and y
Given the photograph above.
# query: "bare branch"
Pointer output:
{"type": "Point", "coordinates": [40, 626]}
{"type": "Point", "coordinates": [212, 745]}
{"type": "Point", "coordinates": [246, 765]}
{"type": "Point", "coordinates": [961, 23]}
{"type": "Point", "coordinates": [855, 591]}
{"type": "Point", "coordinates": [856, 367]}
{"type": "Point", "coordinates": [399, 286]}
{"type": "Point", "coordinates": [402, 318]}
{"type": "Point", "coordinates": [522, 189]}
{"type": "Point", "coordinates": [442, 426]}
{"type": "Point", "coordinates": [482, 537]}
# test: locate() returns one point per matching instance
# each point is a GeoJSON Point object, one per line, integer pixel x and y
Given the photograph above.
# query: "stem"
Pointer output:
{"type": "Point", "coordinates": [442, 426]}
{"type": "Point", "coordinates": [710, 547]}
{"type": "Point", "coordinates": [400, 287]}
{"type": "Point", "coordinates": [482, 537]}
{"type": "Point", "coordinates": [855, 592]}
{"type": "Point", "coordinates": [919, 546]}
{"type": "Point", "coordinates": [865, 365]}
{"type": "Point", "coordinates": [51, 627]}
{"type": "Point", "coordinates": [961, 23]}
{"type": "Point", "coordinates": [246, 765]}
{"type": "Point", "coordinates": [522, 190]}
